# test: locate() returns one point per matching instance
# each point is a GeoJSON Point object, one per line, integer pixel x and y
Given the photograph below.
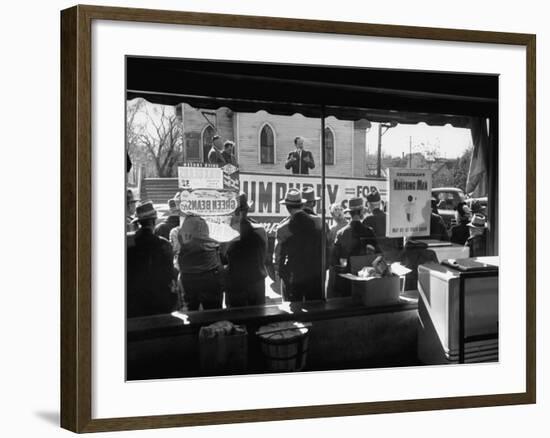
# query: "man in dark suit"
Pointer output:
{"type": "Point", "coordinates": [228, 153]}
{"type": "Point", "coordinates": [294, 203]}
{"type": "Point", "coordinates": [461, 232]}
{"type": "Point", "coordinates": [300, 160]}
{"type": "Point", "coordinates": [215, 153]}
{"type": "Point", "coordinates": [150, 269]}
{"type": "Point", "coordinates": [377, 221]}
{"type": "Point", "coordinates": [245, 259]}
{"type": "Point", "coordinates": [302, 258]}
{"type": "Point", "coordinates": [438, 230]}
{"type": "Point", "coordinates": [355, 238]}
{"type": "Point", "coordinates": [308, 193]}
{"type": "Point", "coordinates": [170, 221]}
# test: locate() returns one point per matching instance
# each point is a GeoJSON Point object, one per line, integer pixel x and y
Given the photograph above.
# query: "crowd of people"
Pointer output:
{"type": "Point", "coordinates": [471, 228]}
{"type": "Point", "coordinates": [174, 263]}
{"type": "Point", "coordinates": [182, 266]}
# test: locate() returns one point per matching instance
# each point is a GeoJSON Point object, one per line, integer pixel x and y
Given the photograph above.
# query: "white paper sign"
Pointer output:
{"type": "Point", "coordinates": [409, 202]}
{"type": "Point", "coordinates": [200, 177]}
{"type": "Point", "coordinates": [208, 202]}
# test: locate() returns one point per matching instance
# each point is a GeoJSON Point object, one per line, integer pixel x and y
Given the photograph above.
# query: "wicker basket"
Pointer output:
{"type": "Point", "coordinates": [284, 345]}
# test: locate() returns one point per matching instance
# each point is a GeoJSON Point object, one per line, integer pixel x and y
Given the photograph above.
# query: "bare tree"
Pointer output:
{"type": "Point", "coordinates": [460, 175]}
{"type": "Point", "coordinates": [133, 129]}
{"type": "Point", "coordinates": [430, 150]}
{"type": "Point", "coordinates": [153, 134]}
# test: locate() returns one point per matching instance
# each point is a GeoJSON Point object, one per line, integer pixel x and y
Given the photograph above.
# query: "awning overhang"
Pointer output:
{"type": "Point", "coordinates": [343, 92]}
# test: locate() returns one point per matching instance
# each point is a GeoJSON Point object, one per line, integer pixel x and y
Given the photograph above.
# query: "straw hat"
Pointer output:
{"type": "Point", "coordinates": [477, 221]}
{"type": "Point", "coordinates": [293, 198]}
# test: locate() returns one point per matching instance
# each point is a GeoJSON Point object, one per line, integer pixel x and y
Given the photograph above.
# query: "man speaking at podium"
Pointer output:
{"type": "Point", "coordinates": [300, 160]}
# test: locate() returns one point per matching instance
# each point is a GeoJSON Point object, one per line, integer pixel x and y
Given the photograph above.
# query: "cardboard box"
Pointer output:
{"type": "Point", "coordinates": [372, 292]}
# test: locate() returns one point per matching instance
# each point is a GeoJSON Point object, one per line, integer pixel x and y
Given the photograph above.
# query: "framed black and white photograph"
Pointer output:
{"type": "Point", "coordinates": [300, 217]}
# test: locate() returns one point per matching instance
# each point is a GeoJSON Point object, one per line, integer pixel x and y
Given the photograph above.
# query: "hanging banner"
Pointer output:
{"type": "Point", "coordinates": [409, 202]}
{"type": "Point", "coordinates": [266, 190]}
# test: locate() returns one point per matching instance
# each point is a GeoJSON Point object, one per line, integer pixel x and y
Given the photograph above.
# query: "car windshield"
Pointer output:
{"type": "Point", "coordinates": [448, 200]}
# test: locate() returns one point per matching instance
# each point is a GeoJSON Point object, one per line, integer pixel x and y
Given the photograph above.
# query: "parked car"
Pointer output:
{"type": "Point", "coordinates": [447, 200]}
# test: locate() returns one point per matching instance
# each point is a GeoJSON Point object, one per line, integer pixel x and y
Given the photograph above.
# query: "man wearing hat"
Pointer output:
{"type": "Point", "coordinates": [228, 153]}
{"type": "Point", "coordinates": [245, 259]}
{"type": "Point", "coordinates": [438, 230]}
{"type": "Point", "coordinates": [171, 220]}
{"type": "Point", "coordinates": [308, 194]}
{"type": "Point", "coordinates": [294, 203]}
{"type": "Point", "coordinates": [215, 153]}
{"type": "Point", "coordinates": [377, 221]}
{"type": "Point", "coordinates": [302, 255]}
{"type": "Point", "coordinates": [150, 270]}
{"type": "Point", "coordinates": [460, 232]}
{"type": "Point", "coordinates": [131, 202]}
{"type": "Point", "coordinates": [355, 238]}
{"type": "Point", "coordinates": [477, 242]}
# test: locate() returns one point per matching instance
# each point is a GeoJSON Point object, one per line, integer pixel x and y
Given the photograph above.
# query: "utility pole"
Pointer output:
{"type": "Point", "coordinates": [379, 160]}
{"type": "Point", "coordinates": [385, 127]}
{"type": "Point", "coordinates": [410, 151]}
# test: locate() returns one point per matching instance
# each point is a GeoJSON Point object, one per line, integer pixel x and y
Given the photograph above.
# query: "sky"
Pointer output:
{"type": "Point", "coordinates": [451, 141]}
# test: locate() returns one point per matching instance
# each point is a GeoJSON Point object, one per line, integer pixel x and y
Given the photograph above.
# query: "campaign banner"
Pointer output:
{"type": "Point", "coordinates": [265, 191]}
{"type": "Point", "coordinates": [409, 202]}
